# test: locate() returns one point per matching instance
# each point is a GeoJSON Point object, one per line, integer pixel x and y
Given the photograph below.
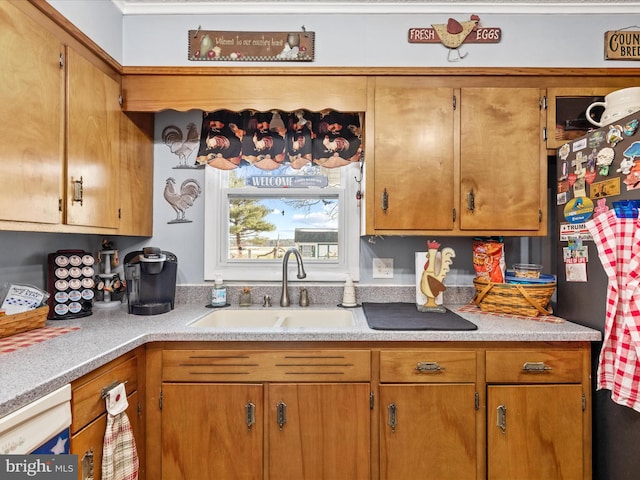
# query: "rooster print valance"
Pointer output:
{"type": "Point", "coordinates": [270, 140]}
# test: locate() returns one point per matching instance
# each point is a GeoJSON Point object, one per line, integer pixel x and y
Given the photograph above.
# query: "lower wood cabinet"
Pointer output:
{"type": "Point", "coordinates": [428, 414]}
{"type": "Point", "coordinates": [535, 431]}
{"type": "Point", "coordinates": [89, 417]}
{"type": "Point", "coordinates": [212, 431]}
{"type": "Point", "coordinates": [538, 414]}
{"type": "Point", "coordinates": [418, 410]}
{"type": "Point", "coordinates": [319, 431]}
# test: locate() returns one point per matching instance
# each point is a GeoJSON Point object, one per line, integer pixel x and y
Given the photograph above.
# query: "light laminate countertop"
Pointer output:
{"type": "Point", "coordinates": [31, 372]}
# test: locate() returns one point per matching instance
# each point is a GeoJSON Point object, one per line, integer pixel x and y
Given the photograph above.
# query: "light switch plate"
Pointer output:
{"type": "Point", "coordinates": [383, 268]}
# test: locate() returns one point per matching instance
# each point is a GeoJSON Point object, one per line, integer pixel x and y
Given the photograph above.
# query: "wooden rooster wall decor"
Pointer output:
{"type": "Point", "coordinates": [454, 33]}
{"type": "Point", "coordinates": [431, 280]}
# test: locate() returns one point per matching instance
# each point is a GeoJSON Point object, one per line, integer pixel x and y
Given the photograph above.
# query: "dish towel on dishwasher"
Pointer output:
{"type": "Point", "coordinates": [618, 244]}
{"type": "Point", "coordinates": [119, 454]}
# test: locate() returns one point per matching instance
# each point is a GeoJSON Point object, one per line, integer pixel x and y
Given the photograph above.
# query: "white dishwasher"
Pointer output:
{"type": "Point", "coordinates": [42, 427]}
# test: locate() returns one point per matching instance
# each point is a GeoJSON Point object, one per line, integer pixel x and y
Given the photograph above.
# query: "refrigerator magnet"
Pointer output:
{"type": "Point", "coordinates": [576, 270]}
{"type": "Point", "coordinates": [578, 209]}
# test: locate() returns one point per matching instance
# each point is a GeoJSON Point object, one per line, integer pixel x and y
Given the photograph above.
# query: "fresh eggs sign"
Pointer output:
{"type": "Point", "coordinates": [622, 45]}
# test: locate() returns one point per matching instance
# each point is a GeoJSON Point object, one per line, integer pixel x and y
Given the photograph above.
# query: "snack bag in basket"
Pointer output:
{"type": "Point", "coordinates": [488, 260]}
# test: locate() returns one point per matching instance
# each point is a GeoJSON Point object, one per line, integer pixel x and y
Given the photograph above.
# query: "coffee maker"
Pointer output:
{"type": "Point", "coordinates": [151, 281]}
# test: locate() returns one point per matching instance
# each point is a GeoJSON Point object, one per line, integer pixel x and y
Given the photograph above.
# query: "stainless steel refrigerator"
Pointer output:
{"type": "Point", "coordinates": [586, 186]}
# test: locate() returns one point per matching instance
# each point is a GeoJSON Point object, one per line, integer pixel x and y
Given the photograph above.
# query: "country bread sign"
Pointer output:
{"type": "Point", "coordinates": [622, 45]}
{"type": "Point", "coordinates": [454, 33]}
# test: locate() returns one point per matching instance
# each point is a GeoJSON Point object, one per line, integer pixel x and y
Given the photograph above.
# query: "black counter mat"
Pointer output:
{"type": "Point", "coordinates": [405, 316]}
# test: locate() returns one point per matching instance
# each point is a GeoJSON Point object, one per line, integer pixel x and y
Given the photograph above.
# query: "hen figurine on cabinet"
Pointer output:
{"type": "Point", "coordinates": [431, 279]}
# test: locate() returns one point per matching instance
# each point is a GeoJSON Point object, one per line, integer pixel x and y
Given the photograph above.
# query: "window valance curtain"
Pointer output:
{"type": "Point", "coordinates": [270, 140]}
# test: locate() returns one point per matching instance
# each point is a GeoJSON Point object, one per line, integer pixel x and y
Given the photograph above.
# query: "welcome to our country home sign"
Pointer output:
{"type": "Point", "coordinates": [210, 45]}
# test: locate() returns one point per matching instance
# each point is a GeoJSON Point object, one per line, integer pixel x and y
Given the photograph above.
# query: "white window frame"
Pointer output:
{"type": "Point", "coordinates": [216, 234]}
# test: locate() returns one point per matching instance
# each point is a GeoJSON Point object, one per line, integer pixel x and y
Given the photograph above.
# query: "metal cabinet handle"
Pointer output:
{"type": "Point", "coordinates": [535, 367]}
{"type": "Point", "coordinates": [87, 465]}
{"type": "Point", "coordinates": [429, 367]}
{"type": "Point", "coordinates": [471, 201]}
{"type": "Point", "coordinates": [77, 191]}
{"type": "Point", "coordinates": [385, 200]}
{"type": "Point", "coordinates": [250, 411]}
{"type": "Point", "coordinates": [392, 416]}
{"type": "Point", "coordinates": [502, 419]}
{"type": "Point", "coordinates": [281, 416]}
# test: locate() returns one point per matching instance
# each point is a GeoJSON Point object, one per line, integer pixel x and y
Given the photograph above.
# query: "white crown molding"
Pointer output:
{"type": "Point", "coordinates": [149, 7]}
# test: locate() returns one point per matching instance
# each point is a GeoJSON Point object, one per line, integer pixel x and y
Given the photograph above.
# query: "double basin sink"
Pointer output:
{"type": "Point", "coordinates": [278, 318]}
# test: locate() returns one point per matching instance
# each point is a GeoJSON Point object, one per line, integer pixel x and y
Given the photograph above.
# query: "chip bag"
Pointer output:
{"type": "Point", "coordinates": [488, 260]}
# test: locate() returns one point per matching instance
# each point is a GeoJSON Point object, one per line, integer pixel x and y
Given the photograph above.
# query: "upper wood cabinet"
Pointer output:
{"type": "Point", "coordinates": [566, 112]}
{"type": "Point", "coordinates": [136, 174]}
{"type": "Point", "coordinates": [503, 161]}
{"type": "Point", "coordinates": [69, 150]}
{"type": "Point", "coordinates": [93, 132]}
{"type": "Point", "coordinates": [154, 93]}
{"type": "Point", "coordinates": [413, 168]}
{"type": "Point", "coordinates": [468, 161]}
{"type": "Point", "coordinates": [32, 98]}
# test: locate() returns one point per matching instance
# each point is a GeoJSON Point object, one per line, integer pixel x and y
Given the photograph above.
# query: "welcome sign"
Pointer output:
{"type": "Point", "coordinates": [622, 45]}
{"type": "Point", "coordinates": [212, 45]}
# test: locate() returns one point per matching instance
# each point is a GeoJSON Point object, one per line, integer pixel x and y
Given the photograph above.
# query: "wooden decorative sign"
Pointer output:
{"type": "Point", "coordinates": [447, 32]}
{"type": "Point", "coordinates": [454, 33]}
{"type": "Point", "coordinates": [622, 45]}
{"type": "Point", "coordinates": [209, 45]}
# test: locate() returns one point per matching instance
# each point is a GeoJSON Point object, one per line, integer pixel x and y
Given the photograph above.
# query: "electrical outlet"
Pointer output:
{"type": "Point", "coordinates": [383, 268]}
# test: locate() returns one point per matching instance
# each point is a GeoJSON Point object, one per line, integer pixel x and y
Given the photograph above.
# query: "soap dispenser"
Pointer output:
{"type": "Point", "coordinates": [349, 294]}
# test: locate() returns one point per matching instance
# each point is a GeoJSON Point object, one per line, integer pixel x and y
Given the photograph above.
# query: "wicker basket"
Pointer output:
{"type": "Point", "coordinates": [23, 322]}
{"type": "Point", "coordinates": [529, 300]}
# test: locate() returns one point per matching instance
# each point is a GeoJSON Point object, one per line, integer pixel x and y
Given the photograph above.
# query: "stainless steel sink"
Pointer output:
{"type": "Point", "coordinates": [277, 318]}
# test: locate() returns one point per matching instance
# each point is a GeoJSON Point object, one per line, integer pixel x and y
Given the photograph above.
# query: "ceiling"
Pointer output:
{"type": "Point", "coordinates": [176, 7]}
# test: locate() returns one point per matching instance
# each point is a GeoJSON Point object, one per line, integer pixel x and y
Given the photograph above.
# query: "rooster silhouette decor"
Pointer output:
{"type": "Point", "coordinates": [183, 199]}
{"type": "Point", "coordinates": [182, 144]}
{"type": "Point", "coordinates": [435, 269]}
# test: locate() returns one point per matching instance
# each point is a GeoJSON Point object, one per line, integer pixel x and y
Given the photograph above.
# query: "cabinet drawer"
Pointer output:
{"type": "Point", "coordinates": [267, 366]}
{"type": "Point", "coordinates": [87, 402]}
{"type": "Point", "coordinates": [534, 366]}
{"type": "Point", "coordinates": [427, 366]}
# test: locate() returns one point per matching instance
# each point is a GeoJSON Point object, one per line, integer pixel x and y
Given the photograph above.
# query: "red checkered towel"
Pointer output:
{"type": "Point", "coordinates": [618, 244]}
{"type": "Point", "coordinates": [119, 453]}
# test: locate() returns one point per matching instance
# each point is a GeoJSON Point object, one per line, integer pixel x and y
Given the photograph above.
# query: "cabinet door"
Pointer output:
{"type": "Point", "coordinates": [502, 159]}
{"type": "Point", "coordinates": [414, 155]}
{"type": "Point", "coordinates": [93, 127]}
{"type": "Point", "coordinates": [136, 174]}
{"type": "Point", "coordinates": [428, 431]}
{"type": "Point", "coordinates": [205, 432]}
{"type": "Point", "coordinates": [323, 433]}
{"type": "Point", "coordinates": [32, 99]}
{"type": "Point", "coordinates": [535, 431]}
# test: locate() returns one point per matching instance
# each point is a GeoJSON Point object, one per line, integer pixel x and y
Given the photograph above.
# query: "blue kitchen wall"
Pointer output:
{"type": "Point", "coordinates": [528, 40]}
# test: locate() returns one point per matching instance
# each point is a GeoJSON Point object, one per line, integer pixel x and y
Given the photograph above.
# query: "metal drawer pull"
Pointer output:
{"type": "Point", "coordinates": [429, 367]}
{"type": "Point", "coordinates": [250, 410]}
{"type": "Point", "coordinates": [281, 416]}
{"type": "Point", "coordinates": [535, 367]}
{"type": "Point", "coordinates": [502, 418]}
{"type": "Point", "coordinates": [87, 465]}
{"type": "Point", "coordinates": [392, 416]}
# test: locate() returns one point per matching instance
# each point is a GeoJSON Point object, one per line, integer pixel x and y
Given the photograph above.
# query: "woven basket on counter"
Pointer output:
{"type": "Point", "coordinates": [529, 300]}
{"type": "Point", "coordinates": [23, 322]}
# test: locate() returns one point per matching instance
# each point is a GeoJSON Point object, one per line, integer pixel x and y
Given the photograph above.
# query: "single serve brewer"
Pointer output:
{"type": "Point", "coordinates": [151, 281]}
